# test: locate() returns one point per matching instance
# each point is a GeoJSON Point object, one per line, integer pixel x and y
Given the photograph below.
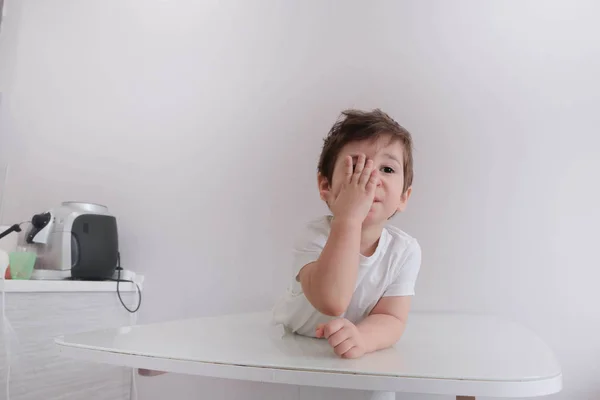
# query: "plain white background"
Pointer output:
{"type": "Point", "coordinates": [200, 123]}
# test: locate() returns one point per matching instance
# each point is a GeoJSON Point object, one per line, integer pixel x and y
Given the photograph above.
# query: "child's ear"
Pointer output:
{"type": "Point", "coordinates": [404, 199]}
{"type": "Point", "coordinates": [324, 188]}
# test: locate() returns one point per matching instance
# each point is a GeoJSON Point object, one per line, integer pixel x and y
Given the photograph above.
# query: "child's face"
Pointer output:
{"type": "Point", "coordinates": [388, 160]}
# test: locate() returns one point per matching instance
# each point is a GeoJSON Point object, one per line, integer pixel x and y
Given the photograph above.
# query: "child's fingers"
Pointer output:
{"type": "Point", "coordinates": [342, 348]}
{"type": "Point", "coordinates": [373, 182]}
{"type": "Point", "coordinates": [354, 352]}
{"type": "Point", "coordinates": [320, 330]}
{"type": "Point", "coordinates": [339, 337]}
{"type": "Point", "coordinates": [333, 327]}
{"type": "Point", "coordinates": [366, 174]}
{"type": "Point", "coordinates": [348, 167]}
{"type": "Point", "coordinates": [360, 165]}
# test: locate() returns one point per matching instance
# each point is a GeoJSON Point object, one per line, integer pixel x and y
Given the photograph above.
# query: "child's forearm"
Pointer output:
{"type": "Point", "coordinates": [380, 331]}
{"type": "Point", "coordinates": [329, 283]}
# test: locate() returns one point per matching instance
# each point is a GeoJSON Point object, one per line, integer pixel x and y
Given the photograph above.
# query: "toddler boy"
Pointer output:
{"type": "Point", "coordinates": [354, 275]}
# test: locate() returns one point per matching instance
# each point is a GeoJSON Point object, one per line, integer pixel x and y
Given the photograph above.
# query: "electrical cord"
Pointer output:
{"type": "Point", "coordinates": [119, 280]}
{"type": "Point", "coordinates": [13, 228]}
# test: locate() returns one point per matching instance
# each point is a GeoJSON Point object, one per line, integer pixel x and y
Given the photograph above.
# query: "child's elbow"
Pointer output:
{"type": "Point", "coordinates": [326, 301]}
{"type": "Point", "coordinates": [332, 309]}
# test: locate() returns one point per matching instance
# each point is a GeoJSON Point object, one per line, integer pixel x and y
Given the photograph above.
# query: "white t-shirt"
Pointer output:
{"type": "Point", "coordinates": [391, 271]}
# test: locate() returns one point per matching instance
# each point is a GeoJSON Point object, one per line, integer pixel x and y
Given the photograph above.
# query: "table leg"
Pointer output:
{"type": "Point", "coordinates": [149, 372]}
{"type": "Point", "coordinates": [465, 397]}
{"type": "Point", "coordinates": [383, 396]}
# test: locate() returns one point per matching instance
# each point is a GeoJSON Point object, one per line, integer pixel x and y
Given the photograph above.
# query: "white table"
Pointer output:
{"type": "Point", "coordinates": [456, 354]}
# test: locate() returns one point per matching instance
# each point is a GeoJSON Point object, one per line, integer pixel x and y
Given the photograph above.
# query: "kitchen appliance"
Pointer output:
{"type": "Point", "coordinates": [76, 240]}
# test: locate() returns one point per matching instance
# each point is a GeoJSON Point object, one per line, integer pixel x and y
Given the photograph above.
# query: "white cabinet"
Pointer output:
{"type": "Point", "coordinates": [38, 311]}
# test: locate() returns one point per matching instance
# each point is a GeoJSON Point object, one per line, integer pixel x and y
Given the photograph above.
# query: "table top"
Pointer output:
{"type": "Point", "coordinates": [439, 353]}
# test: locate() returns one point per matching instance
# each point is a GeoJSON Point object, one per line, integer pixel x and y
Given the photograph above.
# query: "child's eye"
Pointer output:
{"type": "Point", "coordinates": [387, 170]}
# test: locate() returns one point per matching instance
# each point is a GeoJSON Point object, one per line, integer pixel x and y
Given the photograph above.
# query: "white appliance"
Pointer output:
{"type": "Point", "coordinates": [76, 240]}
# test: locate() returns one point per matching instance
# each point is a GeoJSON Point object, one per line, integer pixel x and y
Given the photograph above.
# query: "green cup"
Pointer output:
{"type": "Point", "coordinates": [21, 264]}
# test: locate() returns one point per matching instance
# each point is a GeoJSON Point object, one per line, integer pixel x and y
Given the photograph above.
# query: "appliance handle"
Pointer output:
{"type": "Point", "coordinates": [75, 251]}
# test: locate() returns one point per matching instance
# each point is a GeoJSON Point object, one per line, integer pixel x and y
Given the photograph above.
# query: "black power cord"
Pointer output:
{"type": "Point", "coordinates": [13, 228]}
{"type": "Point", "coordinates": [119, 280]}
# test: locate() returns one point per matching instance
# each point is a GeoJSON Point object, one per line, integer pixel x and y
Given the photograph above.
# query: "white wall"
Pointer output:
{"type": "Point", "coordinates": [199, 125]}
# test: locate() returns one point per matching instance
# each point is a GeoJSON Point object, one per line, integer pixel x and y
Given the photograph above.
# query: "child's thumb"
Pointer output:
{"type": "Point", "coordinates": [320, 330]}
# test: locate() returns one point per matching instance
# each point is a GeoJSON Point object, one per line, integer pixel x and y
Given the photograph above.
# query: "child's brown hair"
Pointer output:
{"type": "Point", "coordinates": [355, 125]}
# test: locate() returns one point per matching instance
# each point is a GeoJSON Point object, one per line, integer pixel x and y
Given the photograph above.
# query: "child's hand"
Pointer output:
{"type": "Point", "coordinates": [357, 192]}
{"type": "Point", "coordinates": [344, 337]}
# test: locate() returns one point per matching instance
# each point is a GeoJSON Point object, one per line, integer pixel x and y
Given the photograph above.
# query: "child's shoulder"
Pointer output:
{"type": "Point", "coordinates": [314, 231]}
{"type": "Point", "coordinates": [400, 240]}
{"type": "Point", "coordinates": [321, 223]}
{"type": "Point", "coordinates": [399, 233]}
{"type": "Point", "coordinates": [318, 226]}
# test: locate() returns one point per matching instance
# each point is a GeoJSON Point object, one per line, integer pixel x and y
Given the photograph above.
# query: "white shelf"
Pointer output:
{"type": "Point", "coordinates": [32, 286]}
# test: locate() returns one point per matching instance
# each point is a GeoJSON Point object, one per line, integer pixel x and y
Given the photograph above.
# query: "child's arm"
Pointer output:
{"type": "Point", "coordinates": [381, 329]}
{"type": "Point", "coordinates": [329, 282]}
{"type": "Point", "coordinates": [385, 324]}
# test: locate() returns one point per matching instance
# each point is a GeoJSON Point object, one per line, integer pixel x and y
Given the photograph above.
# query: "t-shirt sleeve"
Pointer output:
{"type": "Point", "coordinates": [308, 248]}
{"type": "Point", "coordinates": [406, 272]}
